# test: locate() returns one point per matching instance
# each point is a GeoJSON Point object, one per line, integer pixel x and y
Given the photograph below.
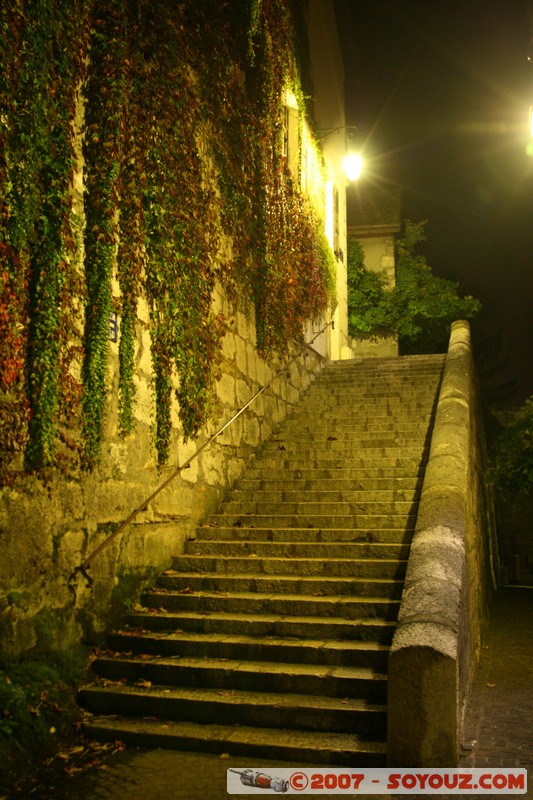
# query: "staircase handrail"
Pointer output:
{"type": "Point", "coordinates": [87, 561]}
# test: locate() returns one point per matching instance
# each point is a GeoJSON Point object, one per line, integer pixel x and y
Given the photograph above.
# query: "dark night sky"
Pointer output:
{"type": "Point", "coordinates": [440, 92]}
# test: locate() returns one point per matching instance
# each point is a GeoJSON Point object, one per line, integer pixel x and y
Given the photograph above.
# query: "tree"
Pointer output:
{"type": "Point", "coordinates": [419, 309]}
{"type": "Point", "coordinates": [512, 453]}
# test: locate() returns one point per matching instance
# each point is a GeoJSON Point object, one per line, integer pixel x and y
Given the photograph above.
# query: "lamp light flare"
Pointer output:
{"type": "Point", "coordinates": [353, 166]}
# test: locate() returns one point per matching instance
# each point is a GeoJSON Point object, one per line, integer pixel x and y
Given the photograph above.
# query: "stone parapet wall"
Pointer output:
{"type": "Point", "coordinates": [444, 603]}
{"type": "Point", "coordinates": [48, 528]}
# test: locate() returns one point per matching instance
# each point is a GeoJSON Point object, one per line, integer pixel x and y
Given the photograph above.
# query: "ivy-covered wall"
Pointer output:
{"type": "Point", "coordinates": [142, 178]}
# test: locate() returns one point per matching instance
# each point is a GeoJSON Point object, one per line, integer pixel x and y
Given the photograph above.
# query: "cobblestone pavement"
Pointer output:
{"type": "Point", "coordinates": [498, 731]}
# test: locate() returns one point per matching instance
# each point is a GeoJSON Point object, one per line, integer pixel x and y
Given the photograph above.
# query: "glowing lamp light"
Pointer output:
{"type": "Point", "coordinates": [353, 166]}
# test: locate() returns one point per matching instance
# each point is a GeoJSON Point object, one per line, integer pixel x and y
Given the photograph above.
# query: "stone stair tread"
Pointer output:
{"type": "Point", "coordinates": [320, 507]}
{"type": "Point", "coordinates": [300, 534]}
{"type": "Point", "coordinates": [214, 564]}
{"type": "Point", "coordinates": [315, 522]}
{"type": "Point", "coordinates": [334, 494]}
{"type": "Point", "coordinates": [259, 668]}
{"type": "Point", "coordinates": [346, 448]}
{"type": "Point", "coordinates": [309, 619]}
{"type": "Point", "coordinates": [320, 580]}
{"type": "Point", "coordinates": [231, 697]}
{"type": "Point", "coordinates": [390, 466]}
{"type": "Point", "coordinates": [400, 483]}
{"type": "Point", "coordinates": [310, 746]}
{"type": "Point", "coordinates": [333, 598]}
{"type": "Point", "coordinates": [303, 550]}
{"type": "Point", "coordinates": [260, 472]}
{"type": "Point", "coordinates": [152, 638]}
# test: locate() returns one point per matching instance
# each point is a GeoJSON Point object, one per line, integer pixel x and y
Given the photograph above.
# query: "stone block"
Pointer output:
{"type": "Point", "coordinates": [422, 722]}
{"type": "Point", "coordinates": [175, 502]}
{"type": "Point", "coordinates": [241, 356]}
{"type": "Point", "coordinates": [226, 391]}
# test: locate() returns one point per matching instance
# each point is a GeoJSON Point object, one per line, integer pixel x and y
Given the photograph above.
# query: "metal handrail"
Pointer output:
{"type": "Point", "coordinates": [86, 563]}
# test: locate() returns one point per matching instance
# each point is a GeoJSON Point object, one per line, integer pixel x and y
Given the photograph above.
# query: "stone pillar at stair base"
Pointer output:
{"type": "Point", "coordinates": [422, 679]}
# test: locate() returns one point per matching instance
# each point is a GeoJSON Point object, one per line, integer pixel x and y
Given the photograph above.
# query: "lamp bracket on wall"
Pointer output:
{"type": "Point", "coordinates": [328, 131]}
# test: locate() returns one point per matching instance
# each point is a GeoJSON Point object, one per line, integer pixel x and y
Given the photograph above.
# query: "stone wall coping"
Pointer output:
{"type": "Point", "coordinates": [425, 656]}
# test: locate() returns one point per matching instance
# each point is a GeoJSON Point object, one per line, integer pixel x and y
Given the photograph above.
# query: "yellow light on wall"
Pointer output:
{"type": "Point", "coordinates": [353, 166]}
{"type": "Point", "coordinates": [330, 214]}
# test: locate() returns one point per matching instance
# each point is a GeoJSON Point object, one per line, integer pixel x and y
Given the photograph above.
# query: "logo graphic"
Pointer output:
{"type": "Point", "coordinates": [261, 781]}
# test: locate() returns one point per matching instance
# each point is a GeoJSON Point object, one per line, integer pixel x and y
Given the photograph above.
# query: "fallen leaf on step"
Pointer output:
{"type": "Point", "coordinates": [185, 590]}
{"type": "Point", "coordinates": [224, 755]}
{"type": "Point", "coordinates": [332, 438]}
{"type": "Point", "coordinates": [144, 684]}
{"type": "Point", "coordinates": [491, 685]}
{"type": "Point", "coordinates": [73, 770]}
{"type": "Point", "coordinates": [170, 572]}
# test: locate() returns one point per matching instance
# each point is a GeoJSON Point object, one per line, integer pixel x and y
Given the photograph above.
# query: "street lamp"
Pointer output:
{"type": "Point", "coordinates": [353, 166]}
{"type": "Point", "coordinates": [352, 162]}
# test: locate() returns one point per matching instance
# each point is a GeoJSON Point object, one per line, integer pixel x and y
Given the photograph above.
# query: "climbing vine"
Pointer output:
{"type": "Point", "coordinates": [41, 65]}
{"type": "Point", "coordinates": [103, 119]}
{"type": "Point", "coordinates": [173, 169]}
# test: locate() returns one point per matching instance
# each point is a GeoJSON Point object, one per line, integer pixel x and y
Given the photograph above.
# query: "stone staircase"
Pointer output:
{"type": "Point", "coordinates": [269, 636]}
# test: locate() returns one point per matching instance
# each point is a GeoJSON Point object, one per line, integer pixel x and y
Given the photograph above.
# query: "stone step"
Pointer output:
{"type": "Point", "coordinates": [205, 706]}
{"type": "Point", "coordinates": [350, 608]}
{"type": "Point", "coordinates": [191, 582]}
{"type": "Point", "coordinates": [340, 402]}
{"type": "Point", "coordinates": [357, 415]}
{"type": "Point", "coordinates": [333, 567]}
{"type": "Point", "coordinates": [306, 508]}
{"type": "Point", "coordinates": [326, 424]}
{"type": "Point", "coordinates": [241, 675]}
{"type": "Point", "coordinates": [364, 521]}
{"type": "Point", "coordinates": [311, 747]}
{"type": "Point", "coordinates": [333, 470]}
{"type": "Point", "coordinates": [288, 493]}
{"type": "Point", "coordinates": [364, 628]}
{"type": "Point", "coordinates": [360, 485]}
{"type": "Point", "coordinates": [371, 446]}
{"type": "Point", "coordinates": [388, 365]}
{"type": "Point", "coordinates": [347, 445]}
{"type": "Point", "coordinates": [380, 463]}
{"type": "Point", "coordinates": [326, 551]}
{"type": "Point", "coordinates": [379, 384]}
{"type": "Point", "coordinates": [242, 533]}
{"type": "Point", "coordinates": [255, 648]}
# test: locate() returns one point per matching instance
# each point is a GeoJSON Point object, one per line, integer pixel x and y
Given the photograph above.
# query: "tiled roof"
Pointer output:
{"type": "Point", "coordinates": [373, 210]}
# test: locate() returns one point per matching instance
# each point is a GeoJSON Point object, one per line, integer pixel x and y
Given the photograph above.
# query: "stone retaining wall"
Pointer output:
{"type": "Point", "coordinates": [444, 603]}
{"type": "Point", "coordinates": [48, 529]}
